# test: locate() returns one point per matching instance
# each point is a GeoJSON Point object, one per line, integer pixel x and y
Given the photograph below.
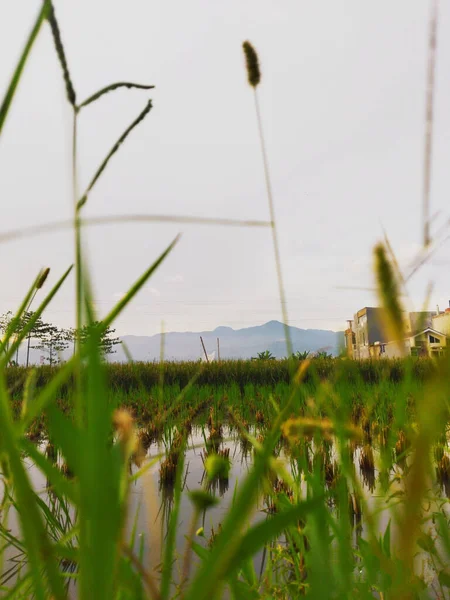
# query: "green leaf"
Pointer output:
{"type": "Point", "coordinates": [270, 529]}
{"type": "Point", "coordinates": [199, 550]}
{"type": "Point", "coordinates": [426, 543]}
{"type": "Point", "coordinates": [217, 466]}
{"type": "Point", "coordinates": [444, 578]}
{"type": "Point", "coordinates": [7, 100]}
{"type": "Point", "coordinates": [243, 591]}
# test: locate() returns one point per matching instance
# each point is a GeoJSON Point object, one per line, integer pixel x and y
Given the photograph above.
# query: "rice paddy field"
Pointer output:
{"type": "Point", "coordinates": [352, 491]}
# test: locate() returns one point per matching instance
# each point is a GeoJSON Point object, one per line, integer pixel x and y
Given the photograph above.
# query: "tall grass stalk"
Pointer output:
{"type": "Point", "coordinates": [254, 78]}
{"type": "Point", "coordinates": [432, 42]}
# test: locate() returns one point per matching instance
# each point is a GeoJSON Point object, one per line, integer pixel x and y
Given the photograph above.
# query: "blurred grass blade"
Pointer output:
{"type": "Point", "coordinates": [67, 437]}
{"type": "Point", "coordinates": [268, 530]}
{"type": "Point", "coordinates": [112, 87]}
{"type": "Point", "coordinates": [169, 547]}
{"type": "Point", "coordinates": [61, 485]}
{"type": "Point", "coordinates": [6, 104]}
{"type": "Point", "coordinates": [35, 230]}
{"type": "Point", "coordinates": [39, 549]}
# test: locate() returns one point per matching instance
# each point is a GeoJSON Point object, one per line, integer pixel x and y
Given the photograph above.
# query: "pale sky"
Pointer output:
{"type": "Point", "coordinates": [343, 104]}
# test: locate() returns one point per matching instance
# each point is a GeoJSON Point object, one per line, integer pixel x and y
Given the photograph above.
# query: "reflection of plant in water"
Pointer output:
{"type": "Point", "coordinates": [367, 467]}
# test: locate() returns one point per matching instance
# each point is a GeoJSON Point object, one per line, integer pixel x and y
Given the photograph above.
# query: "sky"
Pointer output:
{"type": "Point", "coordinates": [342, 100]}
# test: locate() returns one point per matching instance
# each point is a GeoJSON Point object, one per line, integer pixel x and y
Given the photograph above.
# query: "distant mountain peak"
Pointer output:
{"type": "Point", "coordinates": [223, 329]}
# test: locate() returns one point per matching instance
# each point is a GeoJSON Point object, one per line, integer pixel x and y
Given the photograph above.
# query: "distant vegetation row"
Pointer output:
{"type": "Point", "coordinates": [133, 376]}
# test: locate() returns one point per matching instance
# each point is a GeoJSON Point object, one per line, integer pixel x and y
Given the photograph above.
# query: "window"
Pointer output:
{"type": "Point", "coordinates": [383, 349]}
{"type": "Point", "coordinates": [434, 340]}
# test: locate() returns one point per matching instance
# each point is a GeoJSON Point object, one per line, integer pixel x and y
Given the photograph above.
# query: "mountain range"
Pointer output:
{"type": "Point", "coordinates": [234, 343]}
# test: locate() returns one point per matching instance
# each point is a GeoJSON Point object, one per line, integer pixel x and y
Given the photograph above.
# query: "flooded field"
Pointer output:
{"type": "Point", "coordinates": [369, 488]}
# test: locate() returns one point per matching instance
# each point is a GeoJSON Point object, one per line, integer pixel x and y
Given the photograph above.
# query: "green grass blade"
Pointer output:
{"type": "Point", "coordinates": [101, 513]}
{"type": "Point", "coordinates": [269, 530]}
{"type": "Point", "coordinates": [7, 100]}
{"type": "Point", "coordinates": [114, 149]}
{"type": "Point", "coordinates": [111, 88]}
{"type": "Point", "coordinates": [16, 591]}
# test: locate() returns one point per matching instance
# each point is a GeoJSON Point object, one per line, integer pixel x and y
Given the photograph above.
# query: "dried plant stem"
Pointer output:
{"type": "Point", "coordinates": [429, 122]}
{"type": "Point", "coordinates": [274, 228]}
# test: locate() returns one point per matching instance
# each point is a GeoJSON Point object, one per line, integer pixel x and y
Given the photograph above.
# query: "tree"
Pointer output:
{"type": "Point", "coordinates": [300, 355]}
{"type": "Point", "coordinates": [52, 341]}
{"type": "Point", "coordinates": [265, 355]}
{"type": "Point", "coordinates": [71, 337]}
{"type": "Point", "coordinates": [323, 354]}
{"type": "Point", "coordinates": [106, 342]}
{"type": "Point", "coordinates": [38, 331]}
{"type": "Point", "coordinates": [9, 325]}
{"type": "Point", "coordinates": [5, 324]}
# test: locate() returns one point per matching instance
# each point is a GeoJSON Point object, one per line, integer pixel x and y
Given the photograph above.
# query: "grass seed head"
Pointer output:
{"type": "Point", "coordinates": [42, 277]}
{"type": "Point", "coordinates": [252, 63]}
{"type": "Point", "coordinates": [389, 294]}
{"type": "Point", "coordinates": [71, 96]}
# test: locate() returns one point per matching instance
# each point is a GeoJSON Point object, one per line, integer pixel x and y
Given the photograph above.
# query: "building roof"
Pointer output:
{"type": "Point", "coordinates": [426, 330]}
